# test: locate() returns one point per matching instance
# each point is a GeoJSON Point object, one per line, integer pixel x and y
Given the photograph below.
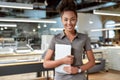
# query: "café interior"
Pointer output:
{"type": "Point", "coordinates": [27, 27]}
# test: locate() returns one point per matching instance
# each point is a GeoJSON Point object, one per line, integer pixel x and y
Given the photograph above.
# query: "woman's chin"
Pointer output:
{"type": "Point", "coordinates": [70, 29]}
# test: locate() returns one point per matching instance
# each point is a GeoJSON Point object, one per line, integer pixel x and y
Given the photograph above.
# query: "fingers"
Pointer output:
{"type": "Point", "coordinates": [71, 69]}
{"type": "Point", "coordinates": [70, 56]}
{"type": "Point", "coordinates": [68, 59]}
{"type": "Point", "coordinates": [67, 69]}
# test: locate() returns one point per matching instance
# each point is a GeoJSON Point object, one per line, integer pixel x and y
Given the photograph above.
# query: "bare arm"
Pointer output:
{"type": "Point", "coordinates": [91, 61]}
{"type": "Point", "coordinates": [89, 64]}
{"type": "Point", "coordinates": [49, 63]}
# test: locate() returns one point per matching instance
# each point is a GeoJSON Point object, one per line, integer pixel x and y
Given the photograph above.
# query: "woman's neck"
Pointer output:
{"type": "Point", "coordinates": [70, 35]}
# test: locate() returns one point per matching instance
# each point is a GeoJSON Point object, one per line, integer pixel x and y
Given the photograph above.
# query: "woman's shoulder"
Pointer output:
{"type": "Point", "coordinates": [58, 35]}
{"type": "Point", "coordinates": [82, 35]}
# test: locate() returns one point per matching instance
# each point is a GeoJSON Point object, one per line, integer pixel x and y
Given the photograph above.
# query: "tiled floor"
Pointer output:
{"type": "Point", "coordinates": [111, 75]}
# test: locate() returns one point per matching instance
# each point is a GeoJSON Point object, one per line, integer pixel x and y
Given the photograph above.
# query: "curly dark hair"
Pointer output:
{"type": "Point", "coordinates": [67, 5]}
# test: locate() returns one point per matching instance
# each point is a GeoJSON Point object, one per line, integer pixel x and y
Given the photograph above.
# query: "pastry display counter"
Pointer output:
{"type": "Point", "coordinates": [20, 57]}
{"type": "Point", "coordinates": [15, 63]}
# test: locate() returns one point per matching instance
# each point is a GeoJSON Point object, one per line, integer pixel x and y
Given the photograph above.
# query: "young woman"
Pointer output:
{"type": "Point", "coordinates": [79, 42]}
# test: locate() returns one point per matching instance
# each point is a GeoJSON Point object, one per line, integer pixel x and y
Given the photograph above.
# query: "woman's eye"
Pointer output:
{"type": "Point", "coordinates": [73, 19]}
{"type": "Point", "coordinates": [69, 20]}
{"type": "Point", "coordinates": [65, 20]}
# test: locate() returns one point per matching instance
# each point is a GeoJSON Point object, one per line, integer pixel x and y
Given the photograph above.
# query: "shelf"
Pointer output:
{"type": "Point", "coordinates": [22, 60]}
{"type": "Point", "coordinates": [19, 54]}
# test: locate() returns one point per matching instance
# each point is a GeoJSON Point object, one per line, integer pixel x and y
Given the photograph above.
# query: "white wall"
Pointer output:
{"type": "Point", "coordinates": [84, 26]}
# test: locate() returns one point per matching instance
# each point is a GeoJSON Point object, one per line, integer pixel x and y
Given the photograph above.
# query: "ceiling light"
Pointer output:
{"type": "Point", "coordinates": [34, 30]}
{"type": "Point", "coordinates": [108, 4]}
{"type": "Point", "coordinates": [116, 24]}
{"type": "Point", "coordinates": [8, 25]}
{"type": "Point", "coordinates": [1, 28]}
{"type": "Point", "coordinates": [104, 29]}
{"type": "Point", "coordinates": [103, 12]}
{"type": "Point", "coordinates": [5, 27]}
{"type": "Point", "coordinates": [90, 22]}
{"type": "Point", "coordinates": [45, 2]}
{"type": "Point", "coordinates": [16, 5]}
{"type": "Point", "coordinates": [27, 20]}
{"type": "Point", "coordinates": [39, 26]}
{"type": "Point", "coordinates": [45, 25]}
{"type": "Point", "coordinates": [56, 29]}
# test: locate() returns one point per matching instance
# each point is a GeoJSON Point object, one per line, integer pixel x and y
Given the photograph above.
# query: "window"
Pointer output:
{"type": "Point", "coordinates": [110, 33]}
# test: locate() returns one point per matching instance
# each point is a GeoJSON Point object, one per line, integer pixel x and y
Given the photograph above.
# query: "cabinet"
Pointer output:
{"type": "Point", "coordinates": [113, 56]}
{"type": "Point", "coordinates": [99, 61]}
{"type": "Point", "coordinates": [98, 54]}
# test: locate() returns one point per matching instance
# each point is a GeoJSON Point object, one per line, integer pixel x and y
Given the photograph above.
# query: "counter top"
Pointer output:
{"type": "Point", "coordinates": [20, 63]}
{"type": "Point", "coordinates": [106, 47]}
{"type": "Point", "coordinates": [35, 52]}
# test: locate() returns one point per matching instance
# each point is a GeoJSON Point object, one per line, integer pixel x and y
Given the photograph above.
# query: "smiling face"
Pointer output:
{"type": "Point", "coordinates": [69, 20]}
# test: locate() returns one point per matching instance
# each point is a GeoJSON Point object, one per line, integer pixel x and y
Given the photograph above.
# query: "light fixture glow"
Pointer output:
{"type": "Point", "coordinates": [5, 27]}
{"type": "Point", "coordinates": [45, 2]}
{"type": "Point", "coordinates": [34, 30]}
{"type": "Point", "coordinates": [45, 25]}
{"type": "Point", "coordinates": [1, 28]}
{"type": "Point", "coordinates": [16, 5]}
{"type": "Point", "coordinates": [116, 24]}
{"type": "Point", "coordinates": [8, 25]}
{"type": "Point", "coordinates": [108, 4]}
{"type": "Point", "coordinates": [90, 22]}
{"type": "Point", "coordinates": [56, 29]}
{"type": "Point", "coordinates": [103, 12]}
{"type": "Point", "coordinates": [27, 20]}
{"type": "Point", "coordinates": [39, 26]}
{"type": "Point", "coordinates": [104, 29]}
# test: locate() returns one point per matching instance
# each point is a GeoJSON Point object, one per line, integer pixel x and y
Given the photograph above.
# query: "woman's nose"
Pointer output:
{"type": "Point", "coordinates": [69, 22]}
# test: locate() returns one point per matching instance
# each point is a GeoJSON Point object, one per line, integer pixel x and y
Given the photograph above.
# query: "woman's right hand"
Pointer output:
{"type": "Point", "coordinates": [68, 59]}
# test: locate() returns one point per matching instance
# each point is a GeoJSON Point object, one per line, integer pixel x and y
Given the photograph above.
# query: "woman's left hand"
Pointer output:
{"type": "Point", "coordinates": [71, 69]}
